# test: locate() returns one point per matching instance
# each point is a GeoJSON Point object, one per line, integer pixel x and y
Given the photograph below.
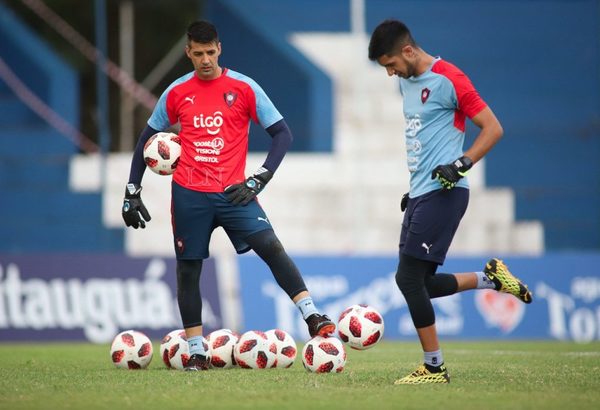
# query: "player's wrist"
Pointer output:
{"type": "Point", "coordinates": [257, 181]}
{"type": "Point", "coordinates": [133, 190]}
{"type": "Point", "coordinates": [263, 174]}
{"type": "Point", "coordinates": [463, 165]}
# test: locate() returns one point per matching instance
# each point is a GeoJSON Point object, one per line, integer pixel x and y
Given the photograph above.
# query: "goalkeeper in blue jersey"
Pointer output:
{"type": "Point", "coordinates": [438, 97]}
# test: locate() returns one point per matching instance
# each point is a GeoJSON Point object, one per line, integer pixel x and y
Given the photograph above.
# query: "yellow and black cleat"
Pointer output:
{"type": "Point", "coordinates": [497, 272]}
{"type": "Point", "coordinates": [424, 376]}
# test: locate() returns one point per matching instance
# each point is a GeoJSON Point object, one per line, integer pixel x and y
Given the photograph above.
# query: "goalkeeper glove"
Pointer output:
{"type": "Point", "coordinates": [244, 192]}
{"type": "Point", "coordinates": [404, 202]}
{"type": "Point", "coordinates": [448, 175]}
{"type": "Point", "coordinates": [133, 207]}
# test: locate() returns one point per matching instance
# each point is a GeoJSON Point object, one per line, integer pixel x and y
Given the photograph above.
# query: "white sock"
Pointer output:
{"type": "Point", "coordinates": [434, 359]}
{"type": "Point", "coordinates": [196, 346]}
{"type": "Point", "coordinates": [307, 307]}
{"type": "Point", "coordinates": [483, 282]}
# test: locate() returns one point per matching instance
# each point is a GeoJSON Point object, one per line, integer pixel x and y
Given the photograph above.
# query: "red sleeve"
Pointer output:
{"type": "Point", "coordinates": [171, 107]}
{"type": "Point", "coordinates": [469, 101]}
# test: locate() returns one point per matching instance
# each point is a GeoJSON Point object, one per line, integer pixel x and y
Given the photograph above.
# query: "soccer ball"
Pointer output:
{"type": "Point", "coordinates": [169, 342]}
{"type": "Point", "coordinates": [324, 355]}
{"type": "Point", "coordinates": [361, 326]}
{"type": "Point", "coordinates": [179, 354]}
{"type": "Point", "coordinates": [221, 344]}
{"type": "Point", "coordinates": [131, 350]}
{"type": "Point", "coordinates": [161, 152]}
{"type": "Point", "coordinates": [285, 347]}
{"type": "Point", "coordinates": [254, 351]}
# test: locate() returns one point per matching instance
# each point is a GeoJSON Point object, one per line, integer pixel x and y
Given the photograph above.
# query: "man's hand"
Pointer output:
{"type": "Point", "coordinates": [404, 202]}
{"type": "Point", "coordinates": [244, 192]}
{"type": "Point", "coordinates": [448, 175]}
{"type": "Point", "coordinates": [133, 207]}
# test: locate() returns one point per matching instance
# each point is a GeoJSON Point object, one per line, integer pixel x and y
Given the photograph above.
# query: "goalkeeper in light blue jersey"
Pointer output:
{"type": "Point", "coordinates": [438, 97]}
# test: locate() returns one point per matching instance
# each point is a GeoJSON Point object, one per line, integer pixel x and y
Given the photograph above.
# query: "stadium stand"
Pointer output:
{"type": "Point", "coordinates": [346, 201]}
{"type": "Point", "coordinates": [538, 191]}
{"type": "Point", "coordinates": [40, 211]}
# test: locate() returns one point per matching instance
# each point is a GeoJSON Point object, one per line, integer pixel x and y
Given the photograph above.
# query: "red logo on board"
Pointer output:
{"type": "Point", "coordinates": [500, 310]}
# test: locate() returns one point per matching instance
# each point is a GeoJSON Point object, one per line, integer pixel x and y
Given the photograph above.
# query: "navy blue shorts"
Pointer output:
{"type": "Point", "coordinates": [430, 222]}
{"type": "Point", "coordinates": [195, 215]}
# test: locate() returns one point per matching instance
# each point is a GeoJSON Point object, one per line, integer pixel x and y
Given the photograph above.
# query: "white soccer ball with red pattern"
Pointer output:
{"type": "Point", "coordinates": [168, 342]}
{"type": "Point", "coordinates": [161, 152]}
{"type": "Point", "coordinates": [285, 347]}
{"type": "Point", "coordinates": [324, 355]}
{"type": "Point", "coordinates": [131, 350]}
{"type": "Point", "coordinates": [221, 344]}
{"type": "Point", "coordinates": [360, 326]}
{"type": "Point", "coordinates": [179, 354]}
{"type": "Point", "coordinates": [254, 351]}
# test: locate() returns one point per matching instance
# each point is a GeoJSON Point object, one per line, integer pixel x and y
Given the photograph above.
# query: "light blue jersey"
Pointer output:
{"type": "Point", "coordinates": [436, 104]}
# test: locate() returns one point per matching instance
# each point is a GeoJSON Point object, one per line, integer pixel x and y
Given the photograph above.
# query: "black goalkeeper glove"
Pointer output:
{"type": "Point", "coordinates": [448, 175]}
{"type": "Point", "coordinates": [404, 202]}
{"type": "Point", "coordinates": [244, 192]}
{"type": "Point", "coordinates": [133, 207]}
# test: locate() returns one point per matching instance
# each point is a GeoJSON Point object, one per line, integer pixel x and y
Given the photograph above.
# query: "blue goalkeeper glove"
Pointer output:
{"type": "Point", "coordinates": [244, 192]}
{"type": "Point", "coordinates": [134, 212]}
{"type": "Point", "coordinates": [448, 175]}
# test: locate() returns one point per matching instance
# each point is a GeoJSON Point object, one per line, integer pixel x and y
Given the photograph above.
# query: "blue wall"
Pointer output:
{"type": "Point", "coordinates": [40, 213]}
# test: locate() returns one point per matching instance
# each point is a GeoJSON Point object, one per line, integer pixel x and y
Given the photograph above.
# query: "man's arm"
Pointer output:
{"type": "Point", "coordinates": [134, 211]}
{"type": "Point", "coordinates": [490, 134]}
{"type": "Point", "coordinates": [491, 131]}
{"type": "Point", "coordinates": [282, 139]}
{"type": "Point", "coordinates": [138, 166]}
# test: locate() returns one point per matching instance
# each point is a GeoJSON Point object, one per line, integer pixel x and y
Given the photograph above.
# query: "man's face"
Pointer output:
{"type": "Point", "coordinates": [401, 63]}
{"type": "Point", "coordinates": [205, 58]}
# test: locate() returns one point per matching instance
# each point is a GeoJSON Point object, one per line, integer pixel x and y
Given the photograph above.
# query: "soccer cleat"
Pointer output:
{"type": "Point", "coordinates": [497, 272]}
{"type": "Point", "coordinates": [423, 375]}
{"type": "Point", "coordinates": [196, 363]}
{"type": "Point", "coordinates": [320, 325]}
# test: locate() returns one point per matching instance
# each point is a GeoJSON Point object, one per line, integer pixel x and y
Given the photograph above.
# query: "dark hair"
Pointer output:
{"type": "Point", "coordinates": [389, 36]}
{"type": "Point", "coordinates": [202, 31]}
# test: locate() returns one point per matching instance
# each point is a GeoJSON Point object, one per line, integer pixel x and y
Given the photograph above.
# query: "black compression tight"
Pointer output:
{"type": "Point", "coordinates": [269, 249]}
{"type": "Point", "coordinates": [188, 292]}
{"type": "Point", "coordinates": [419, 283]}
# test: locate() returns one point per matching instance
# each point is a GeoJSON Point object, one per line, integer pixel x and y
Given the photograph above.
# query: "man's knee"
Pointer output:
{"type": "Point", "coordinates": [188, 272]}
{"type": "Point", "coordinates": [265, 243]}
{"type": "Point", "coordinates": [410, 276]}
{"type": "Point", "coordinates": [406, 282]}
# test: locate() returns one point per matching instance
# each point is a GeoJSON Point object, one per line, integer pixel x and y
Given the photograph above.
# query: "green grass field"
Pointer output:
{"type": "Point", "coordinates": [498, 375]}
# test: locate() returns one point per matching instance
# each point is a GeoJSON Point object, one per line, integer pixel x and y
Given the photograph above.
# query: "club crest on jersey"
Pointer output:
{"type": "Point", "coordinates": [180, 245]}
{"type": "Point", "coordinates": [230, 98]}
{"type": "Point", "coordinates": [425, 94]}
